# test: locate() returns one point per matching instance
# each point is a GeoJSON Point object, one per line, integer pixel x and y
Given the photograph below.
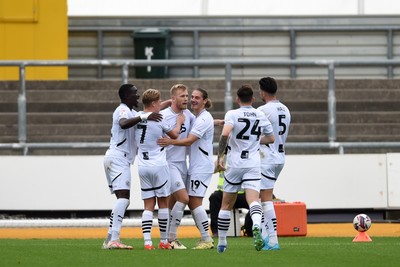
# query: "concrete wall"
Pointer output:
{"type": "Point", "coordinates": [321, 181]}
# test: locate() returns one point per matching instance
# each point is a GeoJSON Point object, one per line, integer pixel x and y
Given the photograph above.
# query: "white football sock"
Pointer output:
{"type": "Point", "coordinates": [224, 219]}
{"type": "Point", "coordinates": [147, 223]}
{"type": "Point", "coordinates": [270, 222]}
{"type": "Point", "coordinates": [117, 215]}
{"type": "Point", "coordinates": [255, 213]}
{"type": "Point", "coordinates": [201, 219]}
{"type": "Point", "coordinates": [163, 222]}
{"type": "Point", "coordinates": [175, 219]}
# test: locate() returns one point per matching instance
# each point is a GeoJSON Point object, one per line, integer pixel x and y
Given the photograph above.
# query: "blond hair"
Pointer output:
{"type": "Point", "coordinates": [177, 87]}
{"type": "Point", "coordinates": [149, 96]}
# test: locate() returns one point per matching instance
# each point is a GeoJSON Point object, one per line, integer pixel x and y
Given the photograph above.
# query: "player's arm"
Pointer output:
{"type": "Point", "coordinates": [267, 139]}
{"type": "Point", "coordinates": [125, 123]}
{"type": "Point", "coordinates": [165, 103]}
{"type": "Point", "coordinates": [268, 134]}
{"type": "Point", "coordinates": [188, 141]}
{"type": "Point", "coordinates": [223, 142]}
{"type": "Point", "coordinates": [174, 133]}
{"type": "Point", "coordinates": [219, 122]}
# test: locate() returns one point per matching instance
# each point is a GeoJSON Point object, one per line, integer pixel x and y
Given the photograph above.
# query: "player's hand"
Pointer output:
{"type": "Point", "coordinates": [163, 142]}
{"type": "Point", "coordinates": [216, 169]}
{"type": "Point", "coordinates": [220, 165]}
{"type": "Point", "coordinates": [155, 117]}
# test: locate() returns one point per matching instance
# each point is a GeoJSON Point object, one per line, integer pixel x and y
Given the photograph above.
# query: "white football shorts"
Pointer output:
{"type": "Point", "coordinates": [237, 179]}
{"type": "Point", "coordinates": [154, 181]}
{"type": "Point", "coordinates": [269, 175]}
{"type": "Point", "coordinates": [118, 173]}
{"type": "Point", "coordinates": [197, 184]}
{"type": "Point", "coordinates": [178, 175]}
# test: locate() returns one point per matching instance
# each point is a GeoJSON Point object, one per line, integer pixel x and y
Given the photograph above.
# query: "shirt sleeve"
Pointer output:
{"type": "Point", "coordinates": [123, 113]}
{"type": "Point", "coordinates": [200, 126]}
{"type": "Point", "coordinates": [229, 118]}
{"type": "Point", "coordinates": [267, 126]}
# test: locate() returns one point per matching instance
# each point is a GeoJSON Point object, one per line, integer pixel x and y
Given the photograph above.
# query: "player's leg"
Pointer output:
{"type": "Point", "coordinates": [224, 218]}
{"type": "Point", "coordinates": [162, 191]}
{"type": "Point", "coordinates": [197, 190]}
{"type": "Point", "coordinates": [201, 219]}
{"type": "Point", "coordinates": [163, 222]}
{"type": "Point", "coordinates": [178, 173]}
{"type": "Point", "coordinates": [268, 179]}
{"type": "Point", "coordinates": [118, 176]}
{"type": "Point", "coordinates": [255, 210]}
{"type": "Point", "coordinates": [149, 199]}
{"type": "Point", "coordinates": [176, 217]}
{"type": "Point", "coordinates": [232, 185]}
{"type": "Point", "coordinates": [271, 236]}
{"type": "Point", "coordinates": [147, 222]}
{"type": "Point", "coordinates": [251, 185]}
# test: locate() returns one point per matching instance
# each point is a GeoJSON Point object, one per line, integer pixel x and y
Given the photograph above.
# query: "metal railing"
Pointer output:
{"type": "Point", "coordinates": [291, 30]}
{"type": "Point", "coordinates": [227, 64]}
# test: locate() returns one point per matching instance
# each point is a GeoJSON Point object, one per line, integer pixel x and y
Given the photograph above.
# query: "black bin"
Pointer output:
{"type": "Point", "coordinates": [150, 44]}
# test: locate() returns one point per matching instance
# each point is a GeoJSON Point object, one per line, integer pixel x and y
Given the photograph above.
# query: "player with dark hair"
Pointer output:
{"type": "Point", "coordinates": [244, 128]}
{"type": "Point", "coordinates": [119, 157]}
{"type": "Point", "coordinates": [272, 157]}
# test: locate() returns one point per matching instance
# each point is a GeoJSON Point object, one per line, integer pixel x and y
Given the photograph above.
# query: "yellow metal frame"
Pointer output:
{"type": "Point", "coordinates": [34, 30]}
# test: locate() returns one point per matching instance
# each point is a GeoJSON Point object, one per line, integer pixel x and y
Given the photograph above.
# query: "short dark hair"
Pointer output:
{"type": "Point", "coordinates": [268, 84]}
{"type": "Point", "coordinates": [245, 93]}
{"type": "Point", "coordinates": [124, 90]}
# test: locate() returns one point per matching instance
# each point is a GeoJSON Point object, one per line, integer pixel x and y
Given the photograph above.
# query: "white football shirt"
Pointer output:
{"type": "Point", "coordinates": [122, 140]}
{"type": "Point", "coordinates": [146, 135]}
{"type": "Point", "coordinates": [279, 116]}
{"type": "Point", "coordinates": [178, 153]}
{"type": "Point", "coordinates": [244, 140]}
{"type": "Point", "coordinates": [201, 158]}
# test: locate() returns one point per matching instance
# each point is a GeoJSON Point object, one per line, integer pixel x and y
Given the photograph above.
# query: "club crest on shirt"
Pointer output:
{"type": "Point", "coordinates": [177, 184]}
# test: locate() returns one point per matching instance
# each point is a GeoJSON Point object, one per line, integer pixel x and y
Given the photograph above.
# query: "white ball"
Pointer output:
{"type": "Point", "coordinates": [362, 222]}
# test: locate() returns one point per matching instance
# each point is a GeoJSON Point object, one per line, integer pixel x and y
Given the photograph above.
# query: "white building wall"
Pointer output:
{"type": "Point", "coordinates": [321, 181]}
{"type": "Point", "coordinates": [231, 7]}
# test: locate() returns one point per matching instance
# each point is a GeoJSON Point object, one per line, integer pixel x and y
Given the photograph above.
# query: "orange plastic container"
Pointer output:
{"type": "Point", "coordinates": [291, 218]}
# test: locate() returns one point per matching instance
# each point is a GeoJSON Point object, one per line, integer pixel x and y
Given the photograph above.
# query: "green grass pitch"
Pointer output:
{"type": "Point", "coordinates": [295, 251]}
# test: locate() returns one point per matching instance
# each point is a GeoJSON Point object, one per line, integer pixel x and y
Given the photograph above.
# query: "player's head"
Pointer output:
{"type": "Point", "coordinates": [268, 85]}
{"type": "Point", "coordinates": [151, 99]}
{"type": "Point", "coordinates": [200, 100]}
{"type": "Point", "coordinates": [245, 94]}
{"type": "Point", "coordinates": [180, 96]}
{"type": "Point", "coordinates": [268, 88]}
{"type": "Point", "coordinates": [128, 95]}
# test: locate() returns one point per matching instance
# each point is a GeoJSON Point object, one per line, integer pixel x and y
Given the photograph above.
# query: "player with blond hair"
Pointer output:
{"type": "Point", "coordinates": [176, 157]}
{"type": "Point", "coordinates": [153, 168]}
{"type": "Point", "coordinates": [201, 166]}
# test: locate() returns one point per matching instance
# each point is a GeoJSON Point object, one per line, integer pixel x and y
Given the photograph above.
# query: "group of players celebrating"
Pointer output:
{"type": "Point", "coordinates": [250, 154]}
